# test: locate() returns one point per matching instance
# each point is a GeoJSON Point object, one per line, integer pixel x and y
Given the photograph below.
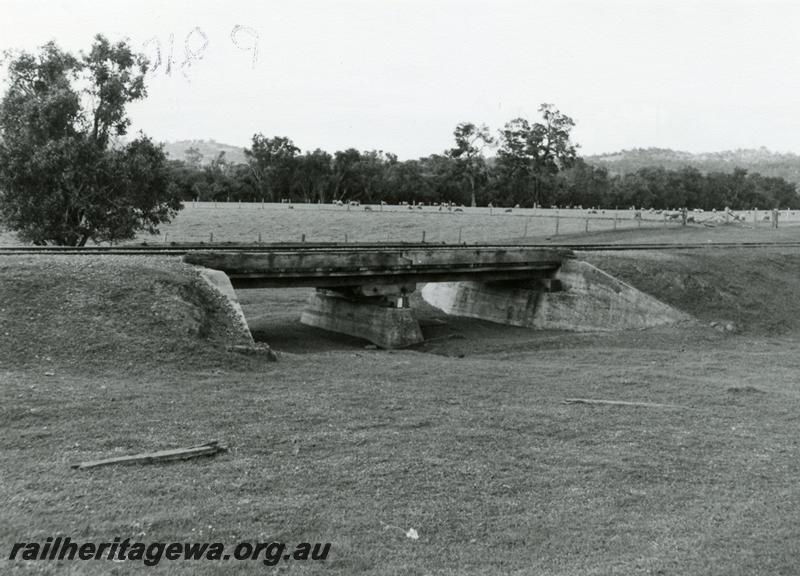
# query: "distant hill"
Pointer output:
{"type": "Point", "coordinates": [208, 148]}
{"type": "Point", "coordinates": [761, 160]}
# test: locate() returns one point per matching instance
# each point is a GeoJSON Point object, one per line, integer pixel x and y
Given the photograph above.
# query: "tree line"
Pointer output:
{"type": "Point", "coordinates": [531, 164]}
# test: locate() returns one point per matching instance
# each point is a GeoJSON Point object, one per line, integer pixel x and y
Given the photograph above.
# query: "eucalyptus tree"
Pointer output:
{"type": "Point", "coordinates": [66, 174]}
{"type": "Point", "coordinates": [468, 153]}
{"type": "Point", "coordinates": [531, 155]}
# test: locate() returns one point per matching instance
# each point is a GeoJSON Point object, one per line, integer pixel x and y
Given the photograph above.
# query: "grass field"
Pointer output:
{"type": "Point", "coordinates": [465, 438]}
{"type": "Point", "coordinates": [209, 222]}
{"type": "Point", "coordinates": [280, 223]}
{"type": "Point", "coordinates": [205, 222]}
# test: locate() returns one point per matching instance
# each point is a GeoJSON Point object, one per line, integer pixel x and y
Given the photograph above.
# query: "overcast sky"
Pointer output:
{"type": "Point", "coordinates": [399, 75]}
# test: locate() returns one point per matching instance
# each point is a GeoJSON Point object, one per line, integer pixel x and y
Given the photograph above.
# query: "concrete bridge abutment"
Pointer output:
{"type": "Point", "coordinates": [578, 297]}
{"type": "Point", "coordinates": [219, 282]}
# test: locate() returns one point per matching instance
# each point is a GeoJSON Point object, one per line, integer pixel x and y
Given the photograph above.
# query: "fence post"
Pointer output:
{"type": "Point", "coordinates": [303, 238]}
{"type": "Point", "coordinates": [423, 236]}
{"type": "Point", "coordinates": [211, 238]}
{"type": "Point", "coordinates": [259, 237]}
{"type": "Point", "coordinates": [587, 224]}
{"type": "Point", "coordinates": [557, 219]}
{"type": "Point", "coordinates": [345, 237]}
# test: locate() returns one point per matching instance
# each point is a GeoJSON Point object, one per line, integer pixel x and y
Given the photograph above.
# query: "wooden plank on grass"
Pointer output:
{"type": "Point", "coordinates": [620, 403]}
{"type": "Point", "coordinates": [208, 449]}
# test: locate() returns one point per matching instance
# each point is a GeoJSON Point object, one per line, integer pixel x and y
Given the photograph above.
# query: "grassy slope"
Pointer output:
{"type": "Point", "coordinates": [471, 445]}
{"type": "Point", "coordinates": [676, 234]}
{"type": "Point", "coordinates": [92, 312]}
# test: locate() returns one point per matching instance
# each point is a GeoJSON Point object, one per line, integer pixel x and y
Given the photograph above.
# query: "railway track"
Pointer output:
{"type": "Point", "coordinates": [180, 250]}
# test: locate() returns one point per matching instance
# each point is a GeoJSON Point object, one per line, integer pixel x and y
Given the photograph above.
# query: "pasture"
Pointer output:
{"type": "Point", "coordinates": [247, 222]}
{"type": "Point", "coordinates": [234, 222]}
{"type": "Point", "coordinates": [465, 438]}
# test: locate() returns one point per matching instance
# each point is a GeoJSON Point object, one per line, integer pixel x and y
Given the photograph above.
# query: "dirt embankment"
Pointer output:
{"type": "Point", "coordinates": [757, 289]}
{"type": "Point", "coordinates": [123, 311]}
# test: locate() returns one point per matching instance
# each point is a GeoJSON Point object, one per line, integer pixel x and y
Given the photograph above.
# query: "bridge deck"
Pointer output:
{"type": "Point", "coordinates": [346, 267]}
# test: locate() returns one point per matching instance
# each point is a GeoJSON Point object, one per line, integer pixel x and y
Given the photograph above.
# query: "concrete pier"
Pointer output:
{"type": "Point", "coordinates": [388, 323]}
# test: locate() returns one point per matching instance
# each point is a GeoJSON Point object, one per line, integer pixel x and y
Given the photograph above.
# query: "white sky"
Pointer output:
{"type": "Point", "coordinates": [399, 75]}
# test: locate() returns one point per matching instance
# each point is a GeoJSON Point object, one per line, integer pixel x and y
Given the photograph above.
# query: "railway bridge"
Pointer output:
{"type": "Point", "coordinates": [364, 291]}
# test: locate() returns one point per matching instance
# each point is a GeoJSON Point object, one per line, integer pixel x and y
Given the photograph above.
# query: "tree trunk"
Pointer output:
{"type": "Point", "coordinates": [472, 191]}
